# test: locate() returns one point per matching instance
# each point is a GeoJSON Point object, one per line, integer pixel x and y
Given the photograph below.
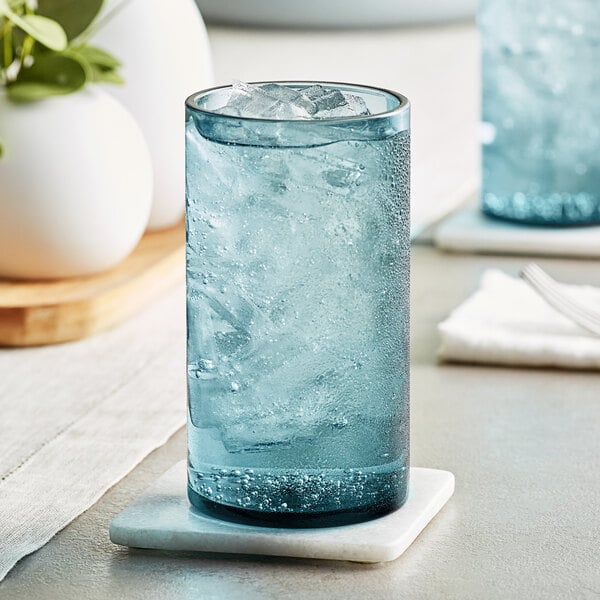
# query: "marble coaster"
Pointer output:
{"type": "Point", "coordinates": [468, 230]}
{"type": "Point", "coordinates": [161, 519]}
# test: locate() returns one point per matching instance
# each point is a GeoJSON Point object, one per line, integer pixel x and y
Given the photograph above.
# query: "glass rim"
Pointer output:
{"type": "Point", "coordinates": [403, 103]}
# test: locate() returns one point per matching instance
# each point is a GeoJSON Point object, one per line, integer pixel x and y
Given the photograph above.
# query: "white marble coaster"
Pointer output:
{"type": "Point", "coordinates": [161, 519]}
{"type": "Point", "coordinates": [468, 230]}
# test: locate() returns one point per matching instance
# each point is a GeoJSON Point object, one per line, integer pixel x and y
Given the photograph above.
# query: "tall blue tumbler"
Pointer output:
{"type": "Point", "coordinates": [298, 311]}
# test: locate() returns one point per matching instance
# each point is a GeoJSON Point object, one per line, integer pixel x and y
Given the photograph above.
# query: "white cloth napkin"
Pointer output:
{"type": "Point", "coordinates": [506, 322]}
{"type": "Point", "coordinates": [76, 418]}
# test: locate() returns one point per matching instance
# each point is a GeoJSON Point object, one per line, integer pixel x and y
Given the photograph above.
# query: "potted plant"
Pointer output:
{"type": "Point", "coordinates": [75, 172]}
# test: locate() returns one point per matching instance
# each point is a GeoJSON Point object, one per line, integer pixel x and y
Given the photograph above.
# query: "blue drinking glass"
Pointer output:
{"type": "Point", "coordinates": [298, 311]}
{"type": "Point", "coordinates": [541, 115]}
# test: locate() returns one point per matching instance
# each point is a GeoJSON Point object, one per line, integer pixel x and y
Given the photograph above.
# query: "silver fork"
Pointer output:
{"type": "Point", "coordinates": [554, 294]}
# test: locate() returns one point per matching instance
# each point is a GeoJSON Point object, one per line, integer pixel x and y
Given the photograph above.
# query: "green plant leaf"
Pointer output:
{"type": "Point", "coordinates": [107, 76]}
{"type": "Point", "coordinates": [4, 8]}
{"type": "Point", "coordinates": [51, 75]}
{"type": "Point", "coordinates": [85, 65]}
{"type": "Point", "coordinates": [74, 15]}
{"type": "Point", "coordinates": [97, 56]}
{"type": "Point", "coordinates": [98, 64]}
{"type": "Point", "coordinates": [43, 30]}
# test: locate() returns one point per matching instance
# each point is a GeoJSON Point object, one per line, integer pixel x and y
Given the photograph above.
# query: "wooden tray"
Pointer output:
{"type": "Point", "coordinates": [48, 312]}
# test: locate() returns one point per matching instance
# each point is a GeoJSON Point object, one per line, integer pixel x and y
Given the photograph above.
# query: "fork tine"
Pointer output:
{"type": "Point", "coordinates": [568, 310]}
{"type": "Point", "coordinates": [541, 278]}
{"type": "Point", "coordinates": [551, 291]}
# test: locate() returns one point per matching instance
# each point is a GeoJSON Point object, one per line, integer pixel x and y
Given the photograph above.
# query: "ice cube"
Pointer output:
{"type": "Point", "coordinates": [275, 101]}
{"type": "Point", "coordinates": [283, 111]}
{"type": "Point", "coordinates": [334, 103]}
{"type": "Point", "coordinates": [290, 96]}
{"type": "Point", "coordinates": [271, 103]}
{"type": "Point", "coordinates": [356, 104]}
{"type": "Point", "coordinates": [246, 100]}
{"type": "Point", "coordinates": [325, 99]}
{"type": "Point", "coordinates": [310, 406]}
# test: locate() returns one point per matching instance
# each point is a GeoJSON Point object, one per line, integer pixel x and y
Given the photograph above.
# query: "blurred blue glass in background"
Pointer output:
{"type": "Point", "coordinates": [541, 115]}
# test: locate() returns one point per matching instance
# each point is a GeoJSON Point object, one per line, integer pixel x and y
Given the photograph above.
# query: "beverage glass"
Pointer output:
{"type": "Point", "coordinates": [298, 311]}
{"type": "Point", "coordinates": [541, 116]}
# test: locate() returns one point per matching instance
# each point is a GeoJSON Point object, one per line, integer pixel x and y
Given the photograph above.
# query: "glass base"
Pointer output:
{"type": "Point", "coordinates": [318, 497]}
{"type": "Point", "coordinates": [555, 210]}
{"type": "Point", "coordinates": [293, 520]}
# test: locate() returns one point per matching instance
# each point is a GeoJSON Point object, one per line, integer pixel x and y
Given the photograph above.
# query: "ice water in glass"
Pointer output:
{"type": "Point", "coordinates": [298, 308]}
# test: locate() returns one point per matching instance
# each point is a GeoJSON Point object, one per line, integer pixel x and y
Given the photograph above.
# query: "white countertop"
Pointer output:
{"type": "Point", "coordinates": [522, 443]}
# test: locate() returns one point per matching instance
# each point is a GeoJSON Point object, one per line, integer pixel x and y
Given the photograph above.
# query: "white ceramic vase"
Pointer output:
{"type": "Point", "coordinates": [165, 53]}
{"type": "Point", "coordinates": [75, 185]}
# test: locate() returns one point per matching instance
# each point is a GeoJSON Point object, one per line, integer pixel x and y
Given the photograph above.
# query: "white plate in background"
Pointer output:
{"type": "Point", "coordinates": [335, 13]}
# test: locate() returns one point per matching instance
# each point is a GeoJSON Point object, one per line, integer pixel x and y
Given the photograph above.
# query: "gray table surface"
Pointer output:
{"type": "Point", "coordinates": [524, 521]}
